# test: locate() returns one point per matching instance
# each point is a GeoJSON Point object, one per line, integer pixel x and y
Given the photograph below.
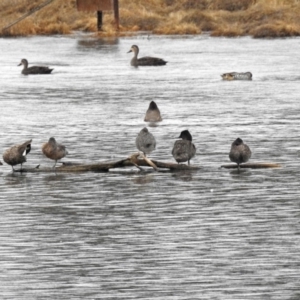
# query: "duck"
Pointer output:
{"type": "Point", "coordinates": [153, 113]}
{"type": "Point", "coordinates": [54, 150]}
{"type": "Point", "coordinates": [144, 61]}
{"type": "Point", "coordinates": [184, 150]}
{"type": "Point", "coordinates": [239, 152]}
{"type": "Point", "coordinates": [34, 69]}
{"type": "Point", "coordinates": [237, 76]}
{"type": "Point", "coordinates": [17, 154]}
{"type": "Point", "coordinates": [145, 141]}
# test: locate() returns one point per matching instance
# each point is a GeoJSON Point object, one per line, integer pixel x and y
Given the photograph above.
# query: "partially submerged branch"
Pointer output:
{"type": "Point", "coordinates": [133, 160]}
{"type": "Point", "coordinates": [252, 166]}
{"type": "Point", "coordinates": [138, 160]}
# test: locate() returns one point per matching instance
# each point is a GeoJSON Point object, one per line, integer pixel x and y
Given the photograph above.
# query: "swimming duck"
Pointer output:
{"type": "Point", "coordinates": [153, 113]}
{"type": "Point", "coordinates": [239, 152]}
{"type": "Point", "coordinates": [54, 150]}
{"type": "Point", "coordinates": [145, 141]}
{"type": "Point", "coordinates": [34, 69]}
{"type": "Point", "coordinates": [184, 149]}
{"type": "Point", "coordinates": [17, 154]}
{"type": "Point", "coordinates": [237, 76]}
{"type": "Point", "coordinates": [144, 61]}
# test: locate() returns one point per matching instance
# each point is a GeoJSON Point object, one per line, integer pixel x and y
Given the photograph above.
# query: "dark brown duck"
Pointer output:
{"type": "Point", "coordinates": [184, 150]}
{"type": "Point", "coordinates": [153, 113]}
{"type": "Point", "coordinates": [34, 69]}
{"type": "Point", "coordinates": [144, 61]}
{"type": "Point", "coordinates": [239, 152]}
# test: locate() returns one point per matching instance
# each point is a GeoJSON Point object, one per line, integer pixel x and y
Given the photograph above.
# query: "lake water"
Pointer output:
{"type": "Point", "coordinates": [207, 234]}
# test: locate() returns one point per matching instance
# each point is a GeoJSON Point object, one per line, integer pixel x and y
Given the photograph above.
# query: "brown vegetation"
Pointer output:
{"type": "Point", "coordinates": [258, 18]}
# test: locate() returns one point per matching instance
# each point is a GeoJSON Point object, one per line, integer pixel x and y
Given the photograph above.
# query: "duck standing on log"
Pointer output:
{"type": "Point", "coordinates": [145, 141]}
{"type": "Point", "coordinates": [146, 60]}
{"type": "Point", "coordinates": [239, 152]}
{"type": "Point", "coordinates": [184, 149]}
{"type": "Point", "coordinates": [54, 150]}
{"type": "Point", "coordinates": [17, 154]}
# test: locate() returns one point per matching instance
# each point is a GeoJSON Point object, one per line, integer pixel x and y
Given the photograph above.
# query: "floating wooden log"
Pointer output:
{"type": "Point", "coordinates": [252, 166]}
{"type": "Point", "coordinates": [133, 160]}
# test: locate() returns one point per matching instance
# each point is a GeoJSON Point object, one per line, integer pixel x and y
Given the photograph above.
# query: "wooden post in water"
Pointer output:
{"type": "Point", "coordinates": [99, 20]}
{"type": "Point", "coordinates": [100, 6]}
{"type": "Point", "coordinates": [116, 13]}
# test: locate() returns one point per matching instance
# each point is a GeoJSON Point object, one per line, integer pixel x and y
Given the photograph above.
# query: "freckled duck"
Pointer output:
{"type": "Point", "coordinates": [34, 69]}
{"type": "Point", "coordinates": [184, 149]}
{"type": "Point", "coordinates": [17, 154]}
{"type": "Point", "coordinates": [153, 113]}
{"type": "Point", "coordinates": [239, 152]}
{"type": "Point", "coordinates": [237, 76]}
{"type": "Point", "coordinates": [54, 150]}
{"type": "Point", "coordinates": [145, 141]}
{"type": "Point", "coordinates": [144, 61]}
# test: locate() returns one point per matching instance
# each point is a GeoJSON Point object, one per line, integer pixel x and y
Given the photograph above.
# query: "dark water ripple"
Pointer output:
{"type": "Point", "coordinates": [207, 234]}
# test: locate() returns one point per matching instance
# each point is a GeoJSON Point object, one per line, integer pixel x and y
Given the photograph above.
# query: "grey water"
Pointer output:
{"type": "Point", "coordinates": [213, 233]}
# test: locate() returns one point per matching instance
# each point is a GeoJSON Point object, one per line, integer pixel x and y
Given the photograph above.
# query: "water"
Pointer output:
{"type": "Point", "coordinates": [207, 234]}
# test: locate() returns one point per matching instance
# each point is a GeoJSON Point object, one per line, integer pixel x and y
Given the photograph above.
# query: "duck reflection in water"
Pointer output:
{"type": "Point", "coordinates": [183, 175]}
{"type": "Point", "coordinates": [53, 178]}
{"type": "Point", "coordinates": [144, 179]}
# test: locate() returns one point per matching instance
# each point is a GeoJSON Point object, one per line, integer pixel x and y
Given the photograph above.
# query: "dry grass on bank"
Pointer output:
{"type": "Point", "coordinates": [231, 18]}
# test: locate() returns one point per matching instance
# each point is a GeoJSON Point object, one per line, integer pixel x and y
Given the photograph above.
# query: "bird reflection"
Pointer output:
{"type": "Point", "coordinates": [143, 179]}
{"type": "Point", "coordinates": [184, 175]}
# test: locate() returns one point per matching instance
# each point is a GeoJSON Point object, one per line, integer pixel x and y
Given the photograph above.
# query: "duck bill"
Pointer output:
{"type": "Point", "coordinates": [129, 51]}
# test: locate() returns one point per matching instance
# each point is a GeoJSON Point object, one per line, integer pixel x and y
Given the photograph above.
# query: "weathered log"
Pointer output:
{"type": "Point", "coordinates": [133, 160]}
{"type": "Point", "coordinates": [252, 166]}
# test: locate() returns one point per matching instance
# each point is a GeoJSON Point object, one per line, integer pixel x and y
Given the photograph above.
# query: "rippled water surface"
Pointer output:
{"type": "Point", "coordinates": [207, 234]}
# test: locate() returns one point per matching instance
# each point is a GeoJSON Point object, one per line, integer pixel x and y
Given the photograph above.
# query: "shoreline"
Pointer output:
{"type": "Point", "coordinates": [217, 18]}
